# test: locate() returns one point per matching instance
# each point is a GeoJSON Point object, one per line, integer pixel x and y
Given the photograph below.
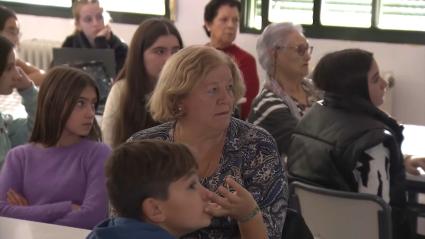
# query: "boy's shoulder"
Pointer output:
{"type": "Point", "coordinates": [127, 228]}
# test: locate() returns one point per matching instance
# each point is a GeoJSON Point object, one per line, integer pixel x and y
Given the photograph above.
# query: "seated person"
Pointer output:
{"type": "Point", "coordinates": [58, 177]}
{"type": "Point", "coordinates": [195, 95]}
{"type": "Point", "coordinates": [346, 142]}
{"type": "Point", "coordinates": [284, 53]}
{"type": "Point", "coordinates": [14, 132]}
{"type": "Point", "coordinates": [153, 42]}
{"type": "Point", "coordinates": [221, 23]}
{"type": "Point", "coordinates": [92, 32]}
{"type": "Point", "coordinates": [155, 191]}
{"type": "Point", "coordinates": [9, 28]}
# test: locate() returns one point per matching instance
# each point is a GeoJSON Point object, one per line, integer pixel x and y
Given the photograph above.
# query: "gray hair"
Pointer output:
{"type": "Point", "coordinates": [273, 35]}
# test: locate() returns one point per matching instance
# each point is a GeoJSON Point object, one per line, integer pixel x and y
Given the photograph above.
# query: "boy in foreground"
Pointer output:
{"type": "Point", "coordinates": [154, 188]}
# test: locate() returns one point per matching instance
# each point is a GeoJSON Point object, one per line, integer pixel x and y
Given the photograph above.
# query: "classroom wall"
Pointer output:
{"type": "Point", "coordinates": [405, 61]}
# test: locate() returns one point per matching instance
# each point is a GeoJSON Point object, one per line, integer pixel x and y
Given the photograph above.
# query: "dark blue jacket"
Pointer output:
{"type": "Point", "coordinates": [126, 228]}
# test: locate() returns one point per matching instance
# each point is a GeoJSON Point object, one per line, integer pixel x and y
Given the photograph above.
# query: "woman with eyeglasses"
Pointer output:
{"type": "Point", "coordinates": [284, 54]}
{"type": "Point", "coordinates": [92, 32]}
{"type": "Point", "coordinates": [9, 28]}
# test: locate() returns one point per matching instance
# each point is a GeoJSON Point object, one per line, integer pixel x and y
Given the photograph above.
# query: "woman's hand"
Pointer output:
{"type": "Point", "coordinates": [105, 32]}
{"type": "Point", "coordinates": [241, 206]}
{"type": "Point", "coordinates": [238, 204]}
{"type": "Point", "coordinates": [22, 81]}
{"type": "Point", "coordinates": [16, 199]}
{"type": "Point", "coordinates": [411, 163]}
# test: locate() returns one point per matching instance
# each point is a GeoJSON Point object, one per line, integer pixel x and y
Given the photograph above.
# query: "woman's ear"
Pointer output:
{"type": "Point", "coordinates": [207, 26]}
{"type": "Point", "coordinates": [152, 210]}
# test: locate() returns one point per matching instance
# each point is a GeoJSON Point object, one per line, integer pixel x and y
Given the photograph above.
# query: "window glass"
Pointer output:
{"type": "Point", "coordinates": [346, 13]}
{"type": "Point", "coordinates": [297, 11]}
{"type": "Point", "coordinates": [130, 6]}
{"type": "Point", "coordinates": [254, 14]}
{"type": "Point", "coordinates": [54, 3]}
{"type": "Point", "coordinates": [402, 15]}
{"type": "Point", "coordinates": [153, 7]}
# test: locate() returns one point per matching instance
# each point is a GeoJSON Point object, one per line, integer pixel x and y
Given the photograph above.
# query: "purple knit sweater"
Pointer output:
{"type": "Point", "coordinates": [52, 179]}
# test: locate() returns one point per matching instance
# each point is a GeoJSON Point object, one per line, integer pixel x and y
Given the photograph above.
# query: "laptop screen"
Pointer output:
{"type": "Point", "coordinates": [73, 56]}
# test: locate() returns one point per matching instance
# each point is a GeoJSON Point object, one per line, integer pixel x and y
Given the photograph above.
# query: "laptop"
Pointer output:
{"type": "Point", "coordinates": [74, 56]}
{"type": "Point", "coordinates": [99, 63]}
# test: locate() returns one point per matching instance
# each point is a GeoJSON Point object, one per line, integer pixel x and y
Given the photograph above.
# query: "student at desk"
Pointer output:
{"type": "Point", "coordinates": [58, 177]}
{"type": "Point", "coordinates": [92, 32]}
{"type": "Point", "coordinates": [345, 142]}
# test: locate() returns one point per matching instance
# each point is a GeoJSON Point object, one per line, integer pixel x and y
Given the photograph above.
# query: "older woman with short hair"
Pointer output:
{"type": "Point", "coordinates": [221, 23]}
{"type": "Point", "coordinates": [196, 93]}
{"type": "Point", "coordinates": [284, 53]}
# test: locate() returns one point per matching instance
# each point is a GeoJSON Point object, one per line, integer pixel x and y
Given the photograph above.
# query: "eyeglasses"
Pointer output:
{"type": "Point", "coordinates": [301, 50]}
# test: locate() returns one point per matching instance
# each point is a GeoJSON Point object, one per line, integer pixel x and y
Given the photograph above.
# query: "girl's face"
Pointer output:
{"type": "Point", "coordinates": [156, 55]}
{"type": "Point", "coordinates": [8, 77]}
{"type": "Point", "coordinates": [91, 20]}
{"type": "Point", "coordinates": [11, 30]}
{"type": "Point", "coordinates": [81, 120]}
{"type": "Point", "coordinates": [376, 85]}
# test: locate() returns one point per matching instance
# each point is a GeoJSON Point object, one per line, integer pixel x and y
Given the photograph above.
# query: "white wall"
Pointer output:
{"type": "Point", "coordinates": [406, 62]}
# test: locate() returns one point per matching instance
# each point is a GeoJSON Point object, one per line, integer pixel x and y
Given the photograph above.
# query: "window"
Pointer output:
{"type": "Point", "coordinates": [402, 15]}
{"type": "Point", "coordinates": [123, 11]}
{"type": "Point", "coordinates": [400, 21]}
{"type": "Point", "coordinates": [298, 11]}
{"type": "Point", "coordinates": [346, 13]}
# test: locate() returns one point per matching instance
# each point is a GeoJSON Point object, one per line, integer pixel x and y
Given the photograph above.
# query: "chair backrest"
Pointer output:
{"type": "Point", "coordinates": [332, 214]}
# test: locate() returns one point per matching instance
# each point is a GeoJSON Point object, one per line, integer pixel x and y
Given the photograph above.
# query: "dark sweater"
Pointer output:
{"type": "Point", "coordinates": [79, 40]}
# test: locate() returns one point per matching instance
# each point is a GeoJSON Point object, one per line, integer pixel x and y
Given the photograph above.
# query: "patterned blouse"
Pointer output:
{"type": "Point", "coordinates": [250, 155]}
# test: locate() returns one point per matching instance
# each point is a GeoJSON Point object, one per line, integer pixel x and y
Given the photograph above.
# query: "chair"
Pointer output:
{"type": "Point", "coordinates": [332, 214]}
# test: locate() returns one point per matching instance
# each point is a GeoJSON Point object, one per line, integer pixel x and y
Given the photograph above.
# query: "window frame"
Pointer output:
{"type": "Point", "coordinates": [316, 30]}
{"type": "Point", "coordinates": [63, 12]}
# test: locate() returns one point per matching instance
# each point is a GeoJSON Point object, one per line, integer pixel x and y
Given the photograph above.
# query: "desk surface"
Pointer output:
{"type": "Point", "coordinates": [413, 143]}
{"type": "Point", "coordinates": [11, 228]}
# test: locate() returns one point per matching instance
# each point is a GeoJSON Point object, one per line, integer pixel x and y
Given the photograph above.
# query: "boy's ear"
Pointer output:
{"type": "Point", "coordinates": [152, 210]}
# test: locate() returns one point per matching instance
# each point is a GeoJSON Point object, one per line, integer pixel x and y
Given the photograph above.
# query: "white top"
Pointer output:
{"type": "Point", "coordinates": [110, 113]}
{"type": "Point", "coordinates": [19, 229]}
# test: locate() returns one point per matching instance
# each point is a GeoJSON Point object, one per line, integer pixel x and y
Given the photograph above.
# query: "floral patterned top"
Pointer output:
{"type": "Point", "coordinates": [250, 155]}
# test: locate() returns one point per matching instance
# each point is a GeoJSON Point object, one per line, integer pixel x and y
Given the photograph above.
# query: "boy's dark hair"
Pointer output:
{"type": "Point", "coordinates": [58, 95]}
{"type": "Point", "coordinates": [344, 72]}
{"type": "Point", "coordinates": [144, 168]}
{"type": "Point", "coordinates": [211, 10]}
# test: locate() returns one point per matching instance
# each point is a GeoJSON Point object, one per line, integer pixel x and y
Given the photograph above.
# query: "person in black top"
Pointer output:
{"type": "Point", "coordinates": [92, 32]}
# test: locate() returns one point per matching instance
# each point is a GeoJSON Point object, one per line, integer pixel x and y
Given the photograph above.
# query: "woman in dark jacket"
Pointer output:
{"type": "Point", "coordinates": [92, 32]}
{"type": "Point", "coordinates": [345, 142]}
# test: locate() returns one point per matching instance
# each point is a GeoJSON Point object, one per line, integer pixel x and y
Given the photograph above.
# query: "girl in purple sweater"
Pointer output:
{"type": "Point", "coordinates": [58, 177]}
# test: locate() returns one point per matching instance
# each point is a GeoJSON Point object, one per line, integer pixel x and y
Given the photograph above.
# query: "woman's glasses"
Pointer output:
{"type": "Point", "coordinates": [301, 50]}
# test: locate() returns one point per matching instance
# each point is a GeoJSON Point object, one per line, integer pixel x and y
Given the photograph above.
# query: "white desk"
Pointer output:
{"type": "Point", "coordinates": [11, 228]}
{"type": "Point", "coordinates": [413, 143]}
